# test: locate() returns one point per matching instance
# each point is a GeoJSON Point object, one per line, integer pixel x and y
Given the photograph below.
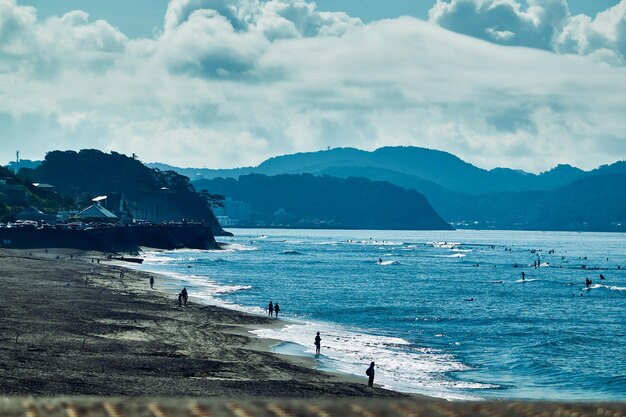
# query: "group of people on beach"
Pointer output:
{"type": "Point", "coordinates": [273, 309]}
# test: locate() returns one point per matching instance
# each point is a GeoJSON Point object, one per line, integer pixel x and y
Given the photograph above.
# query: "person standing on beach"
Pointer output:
{"type": "Point", "coordinates": [185, 295]}
{"type": "Point", "coordinates": [276, 309]}
{"type": "Point", "coordinates": [151, 281]}
{"type": "Point", "coordinates": [318, 344]}
{"type": "Point", "coordinates": [270, 309]}
{"type": "Point", "coordinates": [370, 373]}
{"type": "Point", "coordinates": [180, 299]}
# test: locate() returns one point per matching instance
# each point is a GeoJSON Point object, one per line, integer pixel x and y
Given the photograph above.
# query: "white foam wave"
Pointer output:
{"type": "Point", "coordinates": [456, 255]}
{"type": "Point", "coordinates": [444, 245]}
{"type": "Point", "coordinates": [400, 365]}
{"type": "Point", "coordinates": [608, 287]}
{"type": "Point", "coordinates": [160, 260]}
{"type": "Point", "coordinates": [386, 263]}
{"type": "Point", "coordinates": [237, 247]}
{"type": "Point", "coordinates": [460, 250]}
{"type": "Point", "coordinates": [527, 280]}
{"type": "Point", "coordinates": [377, 242]}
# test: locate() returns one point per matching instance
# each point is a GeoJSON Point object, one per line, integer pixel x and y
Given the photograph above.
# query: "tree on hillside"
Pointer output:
{"type": "Point", "coordinates": [213, 200]}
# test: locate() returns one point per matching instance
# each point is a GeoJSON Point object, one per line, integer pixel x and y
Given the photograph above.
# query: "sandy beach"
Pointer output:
{"type": "Point", "coordinates": [71, 326]}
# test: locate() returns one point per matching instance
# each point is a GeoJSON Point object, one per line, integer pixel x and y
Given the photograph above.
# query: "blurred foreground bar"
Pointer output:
{"type": "Point", "coordinates": [140, 407]}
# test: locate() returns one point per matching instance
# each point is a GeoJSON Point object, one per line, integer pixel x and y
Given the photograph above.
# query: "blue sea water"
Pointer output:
{"type": "Point", "coordinates": [444, 314]}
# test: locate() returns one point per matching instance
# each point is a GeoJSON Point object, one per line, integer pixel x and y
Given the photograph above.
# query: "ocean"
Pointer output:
{"type": "Point", "coordinates": [444, 314]}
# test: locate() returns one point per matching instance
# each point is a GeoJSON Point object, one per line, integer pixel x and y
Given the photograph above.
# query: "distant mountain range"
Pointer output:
{"type": "Point", "coordinates": [437, 167]}
{"type": "Point", "coordinates": [462, 193]}
{"type": "Point", "coordinates": [563, 198]}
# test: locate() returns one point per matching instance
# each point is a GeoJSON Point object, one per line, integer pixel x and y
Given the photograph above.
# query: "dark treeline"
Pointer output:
{"type": "Point", "coordinates": [307, 200]}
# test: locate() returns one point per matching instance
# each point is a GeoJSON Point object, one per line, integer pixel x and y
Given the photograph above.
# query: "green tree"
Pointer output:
{"type": "Point", "coordinates": [213, 200]}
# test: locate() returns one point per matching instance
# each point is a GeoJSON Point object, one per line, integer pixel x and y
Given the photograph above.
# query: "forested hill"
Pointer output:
{"type": "Point", "coordinates": [149, 193]}
{"type": "Point", "coordinates": [311, 201]}
{"type": "Point", "coordinates": [596, 203]}
{"type": "Point", "coordinates": [428, 165]}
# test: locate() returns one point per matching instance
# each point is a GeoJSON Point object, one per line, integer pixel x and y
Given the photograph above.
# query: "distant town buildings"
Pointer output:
{"type": "Point", "coordinates": [234, 213]}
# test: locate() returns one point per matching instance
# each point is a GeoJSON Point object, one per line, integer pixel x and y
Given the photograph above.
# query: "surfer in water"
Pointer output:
{"type": "Point", "coordinates": [523, 276]}
{"type": "Point", "coordinates": [380, 261]}
{"type": "Point", "coordinates": [588, 282]}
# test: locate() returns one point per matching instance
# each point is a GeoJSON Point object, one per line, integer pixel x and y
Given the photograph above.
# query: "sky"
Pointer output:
{"type": "Point", "coordinates": [526, 84]}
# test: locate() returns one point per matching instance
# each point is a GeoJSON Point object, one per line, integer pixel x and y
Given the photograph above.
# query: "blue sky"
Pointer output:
{"type": "Point", "coordinates": [223, 83]}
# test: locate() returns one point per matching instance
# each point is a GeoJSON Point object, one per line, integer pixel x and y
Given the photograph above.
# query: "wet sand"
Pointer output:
{"type": "Point", "coordinates": [73, 327]}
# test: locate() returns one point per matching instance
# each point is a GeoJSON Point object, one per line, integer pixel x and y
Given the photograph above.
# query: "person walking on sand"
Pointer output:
{"type": "Point", "coordinates": [180, 299]}
{"type": "Point", "coordinates": [318, 344]}
{"type": "Point", "coordinates": [270, 309]}
{"type": "Point", "coordinates": [276, 310]}
{"type": "Point", "coordinates": [151, 281]}
{"type": "Point", "coordinates": [370, 373]}
{"type": "Point", "coordinates": [185, 295]}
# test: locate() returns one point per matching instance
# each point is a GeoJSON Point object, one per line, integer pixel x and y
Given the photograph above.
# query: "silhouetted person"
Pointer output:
{"type": "Point", "coordinates": [270, 309]}
{"type": "Point", "coordinates": [588, 282]}
{"type": "Point", "coordinates": [523, 276]}
{"type": "Point", "coordinates": [601, 276]}
{"type": "Point", "coordinates": [151, 282]}
{"type": "Point", "coordinates": [370, 373]}
{"type": "Point", "coordinates": [276, 309]}
{"type": "Point", "coordinates": [185, 295]}
{"type": "Point", "coordinates": [318, 343]}
{"type": "Point", "coordinates": [180, 299]}
{"type": "Point", "coordinates": [380, 260]}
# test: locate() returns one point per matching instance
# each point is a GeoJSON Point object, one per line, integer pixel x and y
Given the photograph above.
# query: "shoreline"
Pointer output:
{"type": "Point", "coordinates": [260, 343]}
{"type": "Point", "coordinates": [73, 327]}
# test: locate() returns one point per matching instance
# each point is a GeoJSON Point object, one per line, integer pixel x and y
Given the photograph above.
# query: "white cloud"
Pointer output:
{"type": "Point", "coordinates": [604, 35]}
{"type": "Point", "coordinates": [232, 83]}
{"type": "Point", "coordinates": [275, 18]}
{"type": "Point", "coordinates": [504, 21]}
{"type": "Point", "coordinates": [545, 24]}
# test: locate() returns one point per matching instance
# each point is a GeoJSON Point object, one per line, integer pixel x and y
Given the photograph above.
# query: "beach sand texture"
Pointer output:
{"type": "Point", "coordinates": [73, 327]}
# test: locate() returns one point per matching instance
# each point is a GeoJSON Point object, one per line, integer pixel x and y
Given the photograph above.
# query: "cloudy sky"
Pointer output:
{"type": "Point", "coordinates": [525, 84]}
